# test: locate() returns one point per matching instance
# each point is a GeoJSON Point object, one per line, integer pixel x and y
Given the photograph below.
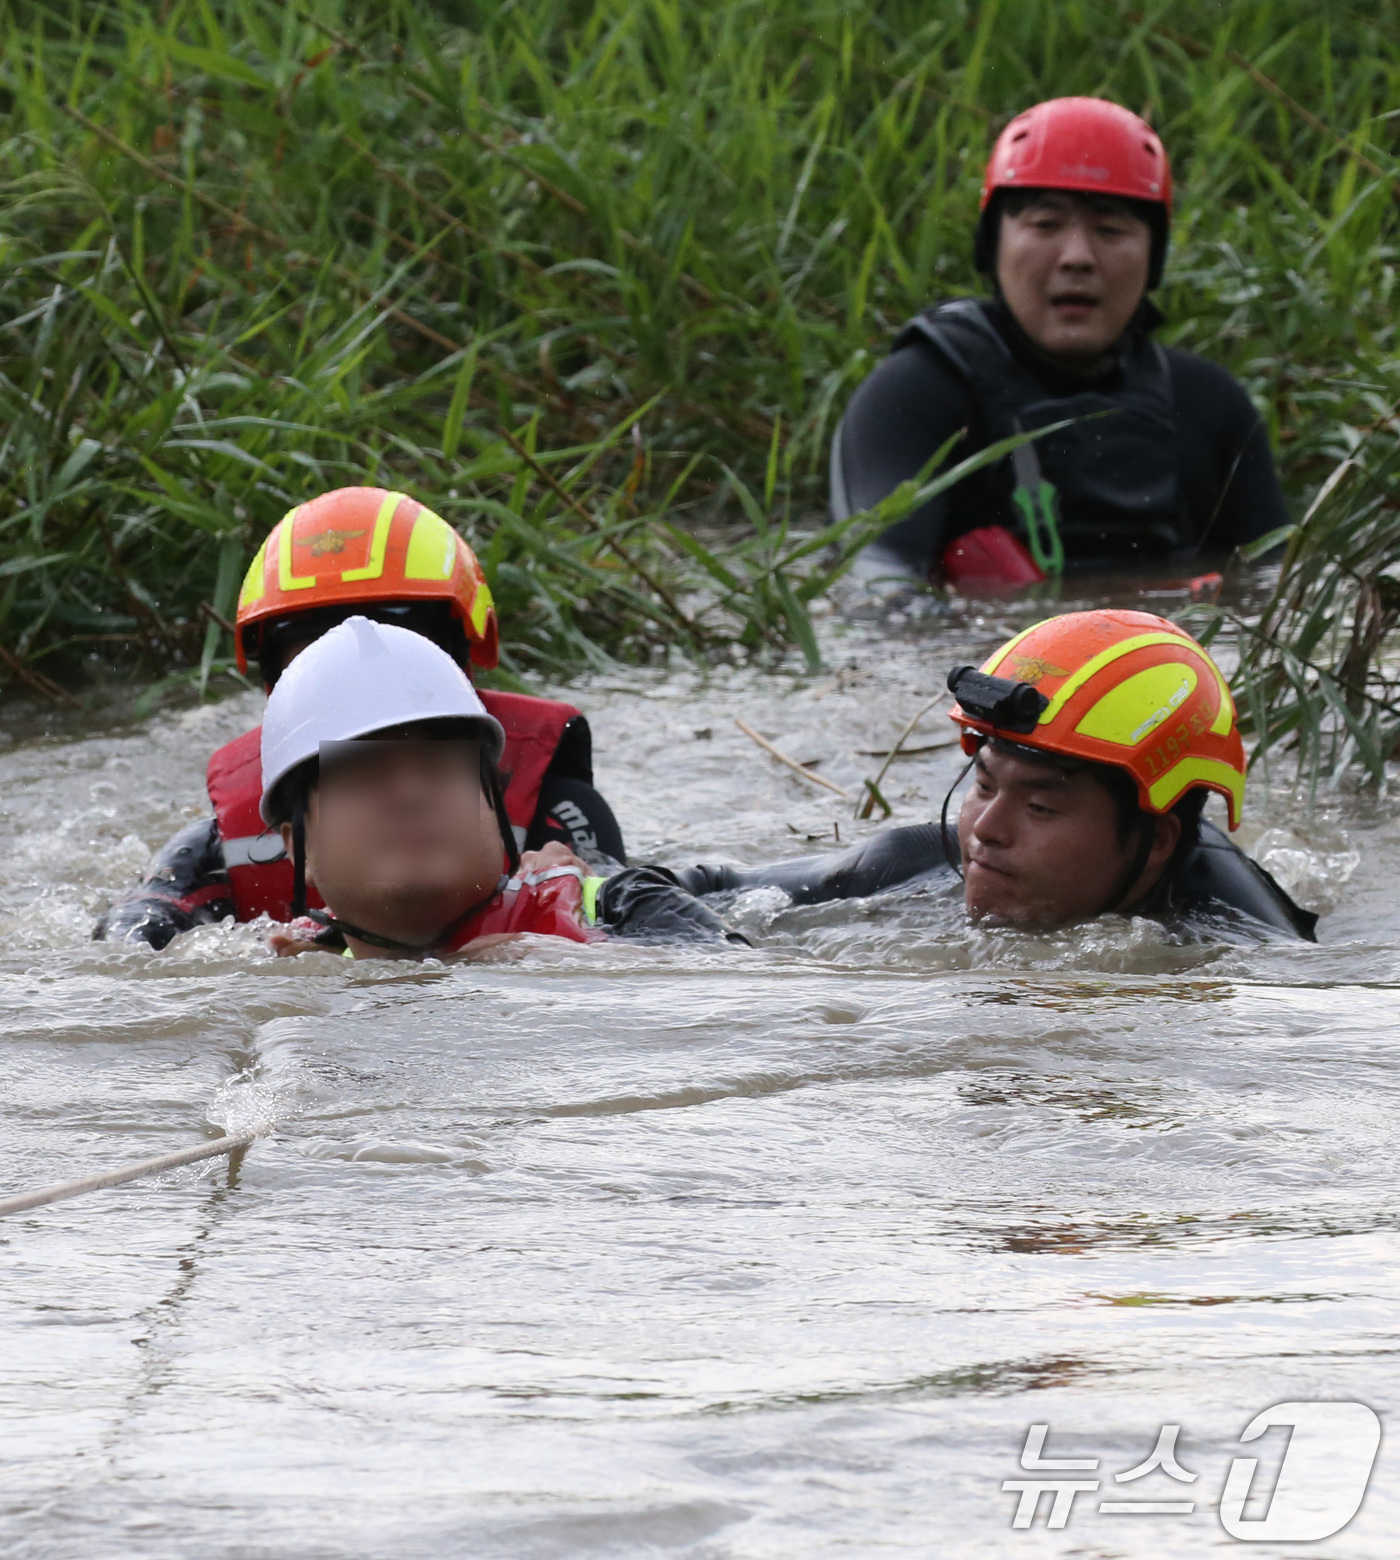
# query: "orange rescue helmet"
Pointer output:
{"type": "Point", "coordinates": [1112, 687]}
{"type": "Point", "coordinates": [364, 544]}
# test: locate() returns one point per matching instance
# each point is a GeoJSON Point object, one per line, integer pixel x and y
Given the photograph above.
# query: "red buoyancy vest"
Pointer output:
{"type": "Point", "coordinates": [258, 869]}
{"type": "Point", "coordinates": [550, 903]}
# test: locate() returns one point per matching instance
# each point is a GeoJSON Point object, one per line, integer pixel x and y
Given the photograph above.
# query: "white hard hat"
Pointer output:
{"type": "Point", "coordinates": [359, 678]}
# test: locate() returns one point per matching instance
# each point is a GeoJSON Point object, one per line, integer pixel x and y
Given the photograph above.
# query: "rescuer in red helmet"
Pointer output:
{"type": "Point", "coordinates": [381, 555]}
{"type": "Point", "coordinates": [1076, 213]}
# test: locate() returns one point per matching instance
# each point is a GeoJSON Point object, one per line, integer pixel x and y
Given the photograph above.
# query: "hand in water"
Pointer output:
{"type": "Point", "coordinates": [286, 945]}
{"type": "Point", "coordinates": [550, 855]}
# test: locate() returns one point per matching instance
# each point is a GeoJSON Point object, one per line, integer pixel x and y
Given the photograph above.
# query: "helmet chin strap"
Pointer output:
{"type": "Point", "coordinates": [496, 795]}
{"type": "Point", "coordinates": [954, 856]}
{"type": "Point", "coordinates": [334, 923]}
{"type": "Point", "coordinates": [299, 857]}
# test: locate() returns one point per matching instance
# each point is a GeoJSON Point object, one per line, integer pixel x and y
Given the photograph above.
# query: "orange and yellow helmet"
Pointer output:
{"type": "Point", "coordinates": [364, 544]}
{"type": "Point", "coordinates": [1112, 687]}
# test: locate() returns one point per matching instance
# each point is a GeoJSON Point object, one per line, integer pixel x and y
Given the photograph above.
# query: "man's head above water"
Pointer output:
{"type": "Point", "coordinates": [1073, 270]}
{"type": "Point", "coordinates": [1045, 842]}
{"type": "Point", "coordinates": [1076, 207]}
{"type": "Point", "coordinates": [379, 770]}
{"type": "Point", "coordinates": [1094, 739]}
{"type": "Point", "coordinates": [399, 831]}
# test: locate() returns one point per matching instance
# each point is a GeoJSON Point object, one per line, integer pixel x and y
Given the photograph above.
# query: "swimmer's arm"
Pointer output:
{"type": "Point", "coordinates": [651, 902]}
{"type": "Point", "coordinates": [186, 885]}
{"type": "Point", "coordinates": [890, 859]}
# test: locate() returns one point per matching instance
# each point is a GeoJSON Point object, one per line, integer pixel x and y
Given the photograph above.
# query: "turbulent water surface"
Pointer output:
{"type": "Point", "coordinates": [619, 1251]}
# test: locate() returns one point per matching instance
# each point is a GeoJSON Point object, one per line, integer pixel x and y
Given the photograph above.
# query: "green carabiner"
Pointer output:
{"type": "Point", "coordinates": [1038, 509]}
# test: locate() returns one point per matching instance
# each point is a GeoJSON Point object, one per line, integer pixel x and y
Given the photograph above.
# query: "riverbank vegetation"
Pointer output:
{"type": "Point", "coordinates": [595, 280]}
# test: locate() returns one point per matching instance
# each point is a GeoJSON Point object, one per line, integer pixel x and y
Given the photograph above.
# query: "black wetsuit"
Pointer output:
{"type": "Point", "coordinates": [181, 887]}
{"type": "Point", "coordinates": [1210, 878]}
{"type": "Point", "coordinates": [1178, 467]}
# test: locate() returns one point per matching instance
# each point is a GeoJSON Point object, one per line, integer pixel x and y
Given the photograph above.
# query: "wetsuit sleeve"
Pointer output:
{"type": "Point", "coordinates": [572, 812]}
{"type": "Point", "coordinates": [1226, 457]}
{"type": "Point", "coordinates": [890, 859]}
{"type": "Point", "coordinates": [185, 886]}
{"type": "Point", "coordinates": [897, 420]}
{"type": "Point", "coordinates": [650, 902]}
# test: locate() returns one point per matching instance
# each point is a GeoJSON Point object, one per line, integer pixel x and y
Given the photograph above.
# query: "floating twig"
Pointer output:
{"type": "Point", "coordinates": [797, 769]}
{"type": "Point", "coordinates": [873, 786]}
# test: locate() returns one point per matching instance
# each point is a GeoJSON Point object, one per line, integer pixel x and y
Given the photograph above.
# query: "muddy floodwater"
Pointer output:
{"type": "Point", "coordinates": [621, 1251]}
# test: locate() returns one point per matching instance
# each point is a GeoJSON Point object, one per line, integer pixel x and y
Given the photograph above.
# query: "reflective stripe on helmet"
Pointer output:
{"type": "Point", "coordinates": [1076, 681]}
{"type": "Point", "coordinates": [432, 549]}
{"type": "Point", "coordinates": [286, 579]}
{"type": "Point", "coordinates": [1195, 770]}
{"type": "Point", "coordinates": [379, 542]}
{"type": "Point", "coordinates": [1123, 688]}
{"type": "Point", "coordinates": [252, 591]}
{"type": "Point", "coordinates": [482, 608]}
{"type": "Point", "coordinates": [1118, 716]}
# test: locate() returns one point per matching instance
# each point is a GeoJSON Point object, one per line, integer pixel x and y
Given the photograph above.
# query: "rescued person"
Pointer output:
{"type": "Point", "coordinates": [1094, 739]}
{"type": "Point", "coordinates": [379, 766]}
{"type": "Point", "coordinates": [383, 555]}
{"type": "Point", "coordinates": [1164, 458]}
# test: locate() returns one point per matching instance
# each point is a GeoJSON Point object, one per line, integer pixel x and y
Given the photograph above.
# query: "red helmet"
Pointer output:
{"type": "Point", "coordinates": [1083, 144]}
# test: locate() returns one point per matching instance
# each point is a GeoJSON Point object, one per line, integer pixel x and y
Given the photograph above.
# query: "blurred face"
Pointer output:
{"type": "Point", "coordinates": [400, 836]}
{"type": "Point", "coordinates": [1040, 847]}
{"type": "Point", "coordinates": [1073, 273]}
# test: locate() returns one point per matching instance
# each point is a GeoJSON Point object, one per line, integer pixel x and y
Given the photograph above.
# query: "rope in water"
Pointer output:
{"type": "Point", "coordinates": [94, 1183]}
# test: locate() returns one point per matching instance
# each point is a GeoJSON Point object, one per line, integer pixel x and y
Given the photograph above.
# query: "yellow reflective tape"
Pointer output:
{"type": "Point", "coordinates": [591, 885]}
{"type": "Point", "coordinates": [379, 542]}
{"type": "Point", "coordinates": [989, 667]}
{"type": "Point", "coordinates": [1193, 770]}
{"type": "Point", "coordinates": [1225, 715]}
{"type": "Point", "coordinates": [482, 604]}
{"type": "Point", "coordinates": [1073, 684]}
{"type": "Point", "coordinates": [253, 586]}
{"type": "Point", "coordinates": [285, 578]}
{"type": "Point", "coordinates": [432, 549]}
{"type": "Point", "coordinates": [1135, 708]}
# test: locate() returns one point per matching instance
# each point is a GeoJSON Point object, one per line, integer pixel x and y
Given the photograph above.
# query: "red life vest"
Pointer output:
{"type": "Point", "coordinates": [551, 903]}
{"type": "Point", "coordinates": [557, 902]}
{"type": "Point", "coordinates": [258, 869]}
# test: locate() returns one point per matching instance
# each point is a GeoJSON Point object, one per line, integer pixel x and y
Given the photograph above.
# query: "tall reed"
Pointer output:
{"type": "Point", "coordinates": [595, 280]}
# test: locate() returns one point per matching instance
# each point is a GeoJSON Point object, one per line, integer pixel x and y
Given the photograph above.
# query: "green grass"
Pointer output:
{"type": "Point", "coordinates": [595, 281]}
